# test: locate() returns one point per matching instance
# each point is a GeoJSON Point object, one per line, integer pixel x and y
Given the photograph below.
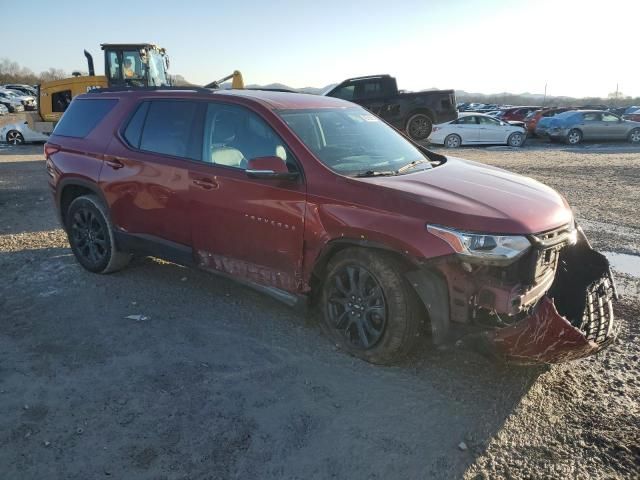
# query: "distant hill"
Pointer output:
{"type": "Point", "coordinates": [505, 98]}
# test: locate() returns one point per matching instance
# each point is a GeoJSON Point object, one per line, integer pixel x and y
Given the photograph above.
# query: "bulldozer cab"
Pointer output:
{"type": "Point", "coordinates": [135, 65]}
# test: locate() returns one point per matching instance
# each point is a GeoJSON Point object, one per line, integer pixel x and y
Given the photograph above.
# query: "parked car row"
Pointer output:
{"type": "Point", "coordinates": [14, 99]}
{"type": "Point", "coordinates": [22, 88]}
{"type": "Point", "coordinates": [512, 125]}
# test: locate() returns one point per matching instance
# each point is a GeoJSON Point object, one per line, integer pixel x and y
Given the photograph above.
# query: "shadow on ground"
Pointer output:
{"type": "Point", "coordinates": [218, 381]}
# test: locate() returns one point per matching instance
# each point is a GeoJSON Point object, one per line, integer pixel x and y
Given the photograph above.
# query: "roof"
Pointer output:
{"type": "Point", "coordinates": [286, 100]}
{"type": "Point", "coordinates": [274, 100]}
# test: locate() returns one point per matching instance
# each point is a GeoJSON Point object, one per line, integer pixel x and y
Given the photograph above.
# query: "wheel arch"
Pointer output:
{"type": "Point", "coordinates": [332, 247]}
{"type": "Point", "coordinates": [426, 283]}
{"type": "Point", "coordinates": [71, 188]}
{"type": "Point", "coordinates": [424, 110]}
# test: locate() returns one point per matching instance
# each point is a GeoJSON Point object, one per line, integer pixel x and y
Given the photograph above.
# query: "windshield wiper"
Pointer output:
{"type": "Point", "coordinates": [375, 173]}
{"type": "Point", "coordinates": [409, 166]}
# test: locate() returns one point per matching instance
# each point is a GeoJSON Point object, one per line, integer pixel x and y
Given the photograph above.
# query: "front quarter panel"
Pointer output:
{"type": "Point", "coordinates": [328, 222]}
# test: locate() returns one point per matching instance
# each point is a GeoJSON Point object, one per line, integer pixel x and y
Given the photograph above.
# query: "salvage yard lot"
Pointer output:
{"type": "Point", "coordinates": [163, 372]}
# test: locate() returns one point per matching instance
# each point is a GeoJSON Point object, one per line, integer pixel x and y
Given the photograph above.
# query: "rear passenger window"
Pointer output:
{"type": "Point", "coordinates": [83, 116]}
{"type": "Point", "coordinates": [171, 128]}
{"type": "Point", "coordinates": [133, 132]}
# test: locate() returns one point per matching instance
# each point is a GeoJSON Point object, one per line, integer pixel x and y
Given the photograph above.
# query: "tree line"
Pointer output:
{"type": "Point", "coordinates": [12, 72]}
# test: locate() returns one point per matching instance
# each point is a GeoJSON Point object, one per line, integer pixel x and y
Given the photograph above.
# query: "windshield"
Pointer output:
{"type": "Point", "coordinates": [352, 141]}
{"type": "Point", "coordinates": [157, 74]}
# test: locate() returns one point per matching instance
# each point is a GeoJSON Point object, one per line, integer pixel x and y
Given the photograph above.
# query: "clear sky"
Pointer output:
{"type": "Point", "coordinates": [580, 48]}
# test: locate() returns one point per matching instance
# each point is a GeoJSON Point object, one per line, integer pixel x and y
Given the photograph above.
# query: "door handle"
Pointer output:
{"type": "Point", "coordinates": [205, 183]}
{"type": "Point", "coordinates": [114, 162]}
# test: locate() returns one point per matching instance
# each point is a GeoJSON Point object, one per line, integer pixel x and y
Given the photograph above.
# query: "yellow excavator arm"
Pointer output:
{"type": "Point", "coordinates": [237, 82]}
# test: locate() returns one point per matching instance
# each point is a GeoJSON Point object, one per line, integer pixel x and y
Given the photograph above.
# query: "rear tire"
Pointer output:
{"type": "Point", "coordinates": [91, 236]}
{"type": "Point", "coordinates": [452, 141]}
{"type": "Point", "coordinates": [634, 135]}
{"type": "Point", "coordinates": [574, 137]}
{"type": "Point", "coordinates": [369, 309]}
{"type": "Point", "coordinates": [419, 126]}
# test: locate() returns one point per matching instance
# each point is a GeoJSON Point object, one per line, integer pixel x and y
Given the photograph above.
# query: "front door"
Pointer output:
{"type": "Point", "coordinates": [613, 127]}
{"type": "Point", "coordinates": [490, 130]}
{"type": "Point", "coordinates": [249, 228]}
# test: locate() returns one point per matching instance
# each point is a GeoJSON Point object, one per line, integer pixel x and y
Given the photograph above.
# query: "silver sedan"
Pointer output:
{"type": "Point", "coordinates": [575, 126]}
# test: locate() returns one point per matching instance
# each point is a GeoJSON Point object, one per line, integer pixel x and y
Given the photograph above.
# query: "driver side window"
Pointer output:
{"type": "Point", "coordinates": [233, 135]}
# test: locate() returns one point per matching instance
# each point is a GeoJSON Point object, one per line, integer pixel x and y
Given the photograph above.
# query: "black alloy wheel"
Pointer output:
{"type": "Point", "coordinates": [357, 307]}
{"type": "Point", "coordinates": [89, 236]}
{"type": "Point", "coordinates": [419, 127]}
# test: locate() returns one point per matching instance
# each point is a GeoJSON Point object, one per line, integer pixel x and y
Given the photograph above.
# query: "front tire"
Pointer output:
{"type": "Point", "coordinates": [516, 139]}
{"type": "Point", "coordinates": [452, 141]}
{"type": "Point", "coordinates": [634, 135]}
{"type": "Point", "coordinates": [91, 236]}
{"type": "Point", "coordinates": [574, 137]}
{"type": "Point", "coordinates": [14, 137]}
{"type": "Point", "coordinates": [368, 307]}
{"type": "Point", "coordinates": [419, 126]}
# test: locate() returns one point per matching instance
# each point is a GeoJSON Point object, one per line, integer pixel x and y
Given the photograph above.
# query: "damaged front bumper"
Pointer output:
{"type": "Point", "coordinates": [574, 319]}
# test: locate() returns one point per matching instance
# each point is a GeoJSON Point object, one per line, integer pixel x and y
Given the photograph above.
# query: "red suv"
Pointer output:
{"type": "Point", "coordinates": [314, 199]}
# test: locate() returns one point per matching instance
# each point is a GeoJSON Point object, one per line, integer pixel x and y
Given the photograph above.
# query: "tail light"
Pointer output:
{"type": "Point", "coordinates": [50, 149]}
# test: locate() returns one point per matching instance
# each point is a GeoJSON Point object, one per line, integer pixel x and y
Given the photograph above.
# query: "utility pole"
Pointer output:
{"type": "Point", "coordinates": [544, 101]}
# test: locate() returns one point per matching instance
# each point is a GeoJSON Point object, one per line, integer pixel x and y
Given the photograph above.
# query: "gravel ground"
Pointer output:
{"type": "Point", "coordinates": [218, 381]}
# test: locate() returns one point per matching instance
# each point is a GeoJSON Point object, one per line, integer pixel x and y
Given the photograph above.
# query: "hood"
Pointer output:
{"type": "Point", "coordinates": [475, 197]}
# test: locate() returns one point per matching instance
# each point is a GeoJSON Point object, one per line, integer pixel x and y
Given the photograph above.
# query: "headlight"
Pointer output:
{"type": "Point", "coordinates": [482, 248]}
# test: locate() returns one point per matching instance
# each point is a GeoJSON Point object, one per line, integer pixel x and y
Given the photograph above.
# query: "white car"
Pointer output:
{"type": "Point", "coordinates": [477, 128]}
{"type": "Point", "coordinates": [19, 133]}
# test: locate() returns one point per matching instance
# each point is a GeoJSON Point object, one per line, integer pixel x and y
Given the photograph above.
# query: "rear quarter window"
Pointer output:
{"type": "Point", "coordinates": [83, 116]}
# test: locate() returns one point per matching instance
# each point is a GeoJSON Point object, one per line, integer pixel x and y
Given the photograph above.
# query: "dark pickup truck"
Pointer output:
{"type": "Point", "coordinates": [415, 113]}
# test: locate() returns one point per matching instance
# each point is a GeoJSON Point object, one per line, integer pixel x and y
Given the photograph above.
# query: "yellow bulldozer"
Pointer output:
{"type": "Point", "coordinates": [125, 65]}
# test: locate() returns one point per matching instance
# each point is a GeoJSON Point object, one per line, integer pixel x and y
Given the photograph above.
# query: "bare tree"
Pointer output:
{"type": "Point", "coordinates": [12, 72]}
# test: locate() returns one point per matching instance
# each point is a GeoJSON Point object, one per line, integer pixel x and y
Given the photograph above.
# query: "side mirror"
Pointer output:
{"type": "Point", "coordinates": [269, 168]}
{"type": "Point", "coordinates": [503, 124]}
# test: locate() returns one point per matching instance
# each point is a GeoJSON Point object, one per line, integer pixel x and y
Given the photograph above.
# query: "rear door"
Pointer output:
{"type": "Point", "coordinates": [373, 96]}
{"type": "Point", "coordinates": [146, 171]}
{"type": "Point", "coordinates": [249, 228]}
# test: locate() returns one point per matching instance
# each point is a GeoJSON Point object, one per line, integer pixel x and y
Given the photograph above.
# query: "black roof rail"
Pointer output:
{"type": "Point", "coordinates": [150, 89]}
{"type": "Point", "coordinates": [286, 90]}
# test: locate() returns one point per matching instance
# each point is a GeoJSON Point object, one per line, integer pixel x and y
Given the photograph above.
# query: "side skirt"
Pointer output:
{"type": "Point", "coordinates": [153, 246]}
